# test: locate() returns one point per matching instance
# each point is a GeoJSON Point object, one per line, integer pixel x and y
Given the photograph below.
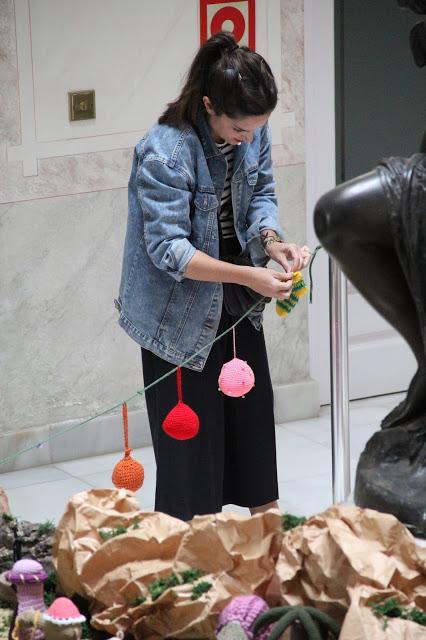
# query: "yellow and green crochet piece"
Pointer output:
{"type": "Point", "coordinates": [283, 307]}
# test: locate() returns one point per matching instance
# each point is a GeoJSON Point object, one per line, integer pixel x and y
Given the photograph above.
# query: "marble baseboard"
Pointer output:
{"type": "Point", "coordinates": [292, 402]}
{"type": "Point", "coordinates": [103, 435]}
{"type": "Point", "coordinates": [296, 401]}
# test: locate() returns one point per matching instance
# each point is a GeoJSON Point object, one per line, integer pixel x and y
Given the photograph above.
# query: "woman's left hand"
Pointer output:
{"type": "Point", "coordinates": [284, 252]}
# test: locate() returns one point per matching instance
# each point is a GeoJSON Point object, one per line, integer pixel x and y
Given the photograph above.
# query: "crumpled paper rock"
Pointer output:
{"type": "Point", "coordinates": [326, 561]}
{"type": "Point", "coordinates": [4, 503]}
{"type": "Point", "coordinates": [361, 624]}
{"type": "Point", "coordinates": [237, 555]}
{"type": "Point", "coordinates": [338, 561]}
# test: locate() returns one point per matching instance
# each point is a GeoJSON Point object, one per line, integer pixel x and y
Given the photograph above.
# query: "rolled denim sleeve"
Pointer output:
{"type": "Point", "coordinates": [262, 212]}
{"type": "Point", "coordinates": [164, 195]}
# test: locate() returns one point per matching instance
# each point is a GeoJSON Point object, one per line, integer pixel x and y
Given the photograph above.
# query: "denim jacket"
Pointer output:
{"type": "Point", "coordinates": [175, 189]}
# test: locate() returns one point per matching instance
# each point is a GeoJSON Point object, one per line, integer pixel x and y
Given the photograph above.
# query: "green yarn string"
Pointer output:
{"type": "Point", "coordinates": [311, 281]}
{"type": "Point", "coordinates": [141, 392]}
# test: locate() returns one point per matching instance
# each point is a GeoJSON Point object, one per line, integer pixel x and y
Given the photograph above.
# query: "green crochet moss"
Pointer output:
{"type": "Point", "coordinates": [391, 608]}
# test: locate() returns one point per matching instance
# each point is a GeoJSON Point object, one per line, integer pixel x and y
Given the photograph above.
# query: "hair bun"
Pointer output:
{"type": "Point", "coordinates": [224, 40]}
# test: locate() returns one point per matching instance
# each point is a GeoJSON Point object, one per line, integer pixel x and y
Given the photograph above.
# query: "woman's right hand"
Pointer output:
{"type": "Point", "coordinates": [269, 283]}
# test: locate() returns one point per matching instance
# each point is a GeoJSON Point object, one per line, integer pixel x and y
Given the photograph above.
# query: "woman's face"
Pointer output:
{"type": "Point", "coordinates": [233, 130]}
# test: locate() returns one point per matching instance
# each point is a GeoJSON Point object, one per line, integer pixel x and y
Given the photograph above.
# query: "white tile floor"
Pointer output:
{"type": "Point", "coordinates": [303, 454]}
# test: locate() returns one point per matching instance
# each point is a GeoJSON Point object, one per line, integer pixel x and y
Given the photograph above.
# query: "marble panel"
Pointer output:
{"type": "Point", "coordinates": [10, 131]}
{"type": "Point", "coordinates": [64, 355]}
{"type": "Point", "coordinates": [287, 338]}
{"type": "Point", "coordinates": [71, 158]}
{"type": "Point", "coordinates": [292, 98]}
{"type": "Point", "coordinates": [68, 174]}
{"type": "Point", "coordinates": [292, 43]}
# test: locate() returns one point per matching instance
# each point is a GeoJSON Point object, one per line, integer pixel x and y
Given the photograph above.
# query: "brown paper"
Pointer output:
{"type": "Point", "coordinates": [361, 624]}
{"type": "Point", "coordinates": [4, 503]}
{"type": "Point", "coordinates": [323, 562]}
{"type": "Point", "coordinates": [237, 555]}
{"type": "Point", "coordinates": [338, 561]}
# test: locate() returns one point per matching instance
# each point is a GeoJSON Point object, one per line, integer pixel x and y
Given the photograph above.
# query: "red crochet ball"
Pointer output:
{"type": "Point", "coordinates": [128, 473]}
{"type": "Point", "coordinates": [181, 422]}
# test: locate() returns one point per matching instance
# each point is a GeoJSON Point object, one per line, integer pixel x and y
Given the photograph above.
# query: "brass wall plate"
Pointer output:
{"type": "Point", "coordinates": [81, 105]}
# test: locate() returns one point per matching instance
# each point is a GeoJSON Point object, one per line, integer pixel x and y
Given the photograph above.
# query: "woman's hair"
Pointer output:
{"type": "Point", "coordinates": [237, 81]}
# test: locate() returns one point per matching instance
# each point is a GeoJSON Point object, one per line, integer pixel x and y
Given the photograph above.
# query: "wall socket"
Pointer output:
{"type": "Point", "coordinates": [81, 105]}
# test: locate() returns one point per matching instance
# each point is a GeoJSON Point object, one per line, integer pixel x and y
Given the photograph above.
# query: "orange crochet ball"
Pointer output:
{"type": "Point", "coordinates": [128, 473]}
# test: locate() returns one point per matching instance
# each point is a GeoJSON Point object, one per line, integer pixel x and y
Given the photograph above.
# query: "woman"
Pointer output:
{"type": "Point", "coordinates": [202, 219]}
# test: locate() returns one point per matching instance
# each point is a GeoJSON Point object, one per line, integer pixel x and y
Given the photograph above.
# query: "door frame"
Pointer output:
{"type": "Point", "coordinates": [320, 154]}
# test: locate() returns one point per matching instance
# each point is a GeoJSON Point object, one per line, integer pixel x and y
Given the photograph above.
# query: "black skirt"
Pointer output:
{"type": "Point", "coordinates": [232, 460]}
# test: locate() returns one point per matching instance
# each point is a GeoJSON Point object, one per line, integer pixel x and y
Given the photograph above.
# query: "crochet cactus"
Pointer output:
{"type": "Point", "coordinates": [311, 620]}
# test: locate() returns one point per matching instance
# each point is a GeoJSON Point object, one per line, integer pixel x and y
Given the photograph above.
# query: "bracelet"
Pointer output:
{"type": "Point", "coordinates": [269, 240]}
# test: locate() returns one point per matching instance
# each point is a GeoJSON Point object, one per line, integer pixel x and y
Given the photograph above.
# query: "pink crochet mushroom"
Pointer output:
{"type": "Point", "coordinates": [63, 612]}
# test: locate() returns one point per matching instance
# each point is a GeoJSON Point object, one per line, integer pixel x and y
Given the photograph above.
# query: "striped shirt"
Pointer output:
{"type": "Point", "coordinates": [226, 216]}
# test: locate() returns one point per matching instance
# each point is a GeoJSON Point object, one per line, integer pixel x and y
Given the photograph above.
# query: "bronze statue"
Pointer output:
{"type": "Point", "coordinates": [374, 226]}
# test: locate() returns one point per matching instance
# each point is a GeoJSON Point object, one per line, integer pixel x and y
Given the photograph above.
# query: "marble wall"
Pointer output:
{"type": "Point", "coordinates": [63, 212]}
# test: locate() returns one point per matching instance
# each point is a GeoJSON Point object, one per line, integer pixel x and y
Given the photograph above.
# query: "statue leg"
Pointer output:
{"type": "Point", "coordinates": [352, 222]}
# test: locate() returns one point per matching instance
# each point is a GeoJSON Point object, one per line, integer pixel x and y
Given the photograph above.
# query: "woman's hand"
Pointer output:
{"type": "Point", "coordinates": [284, 252]}
{"type": "Point", "coordinates": [269, 283]}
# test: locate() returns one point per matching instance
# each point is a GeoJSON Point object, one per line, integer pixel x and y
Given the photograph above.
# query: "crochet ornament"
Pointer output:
{"type": "Point", "coordinates": [299, 289]}
{"type": "Point", "coordinates": [62, 621]}
{"type": "Point", "coordinates": [63, 612]}
{"type": "Point", "coordinates": [316, 624]}
{"type": "Point", "coordinates": [128, 473]}
{"type": "Point", "coordinates": [181, 422]}
{"type": "Point", "coordinates": [237, 618]}
{"type": "Point", "coordinates": [236, 377]}
{"type": "Point", "coordinates": [28, 577]}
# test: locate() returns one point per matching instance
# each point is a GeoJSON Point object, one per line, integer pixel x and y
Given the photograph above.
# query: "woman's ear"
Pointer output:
{"type": "Point", "coordinates": [208, 106]}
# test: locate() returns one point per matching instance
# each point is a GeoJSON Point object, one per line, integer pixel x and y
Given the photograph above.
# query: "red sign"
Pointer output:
{"type": "Point", "coordinates": [237, 16]}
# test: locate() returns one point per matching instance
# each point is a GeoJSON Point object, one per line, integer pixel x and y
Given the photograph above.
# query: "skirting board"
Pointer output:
{"type": "Point", "coordinates": [296, 401]}
{"type": "Point", "coordinates": [105, 434]}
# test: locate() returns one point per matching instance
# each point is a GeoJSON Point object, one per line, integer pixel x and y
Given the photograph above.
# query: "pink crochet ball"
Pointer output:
{"type": "Point", "coordinates": [244, 610]}
{"type": "Point", "coordinates": [236, 378]}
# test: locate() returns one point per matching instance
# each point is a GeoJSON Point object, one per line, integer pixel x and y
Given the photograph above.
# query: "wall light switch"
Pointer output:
{"type": "Point", "coordinates": [81, 105]}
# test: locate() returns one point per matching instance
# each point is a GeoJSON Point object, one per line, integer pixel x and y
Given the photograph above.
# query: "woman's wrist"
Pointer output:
{"type": "Point", "coordinates": [245, 275]}
{"type": "Point", "coordinates": [268, 236]}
